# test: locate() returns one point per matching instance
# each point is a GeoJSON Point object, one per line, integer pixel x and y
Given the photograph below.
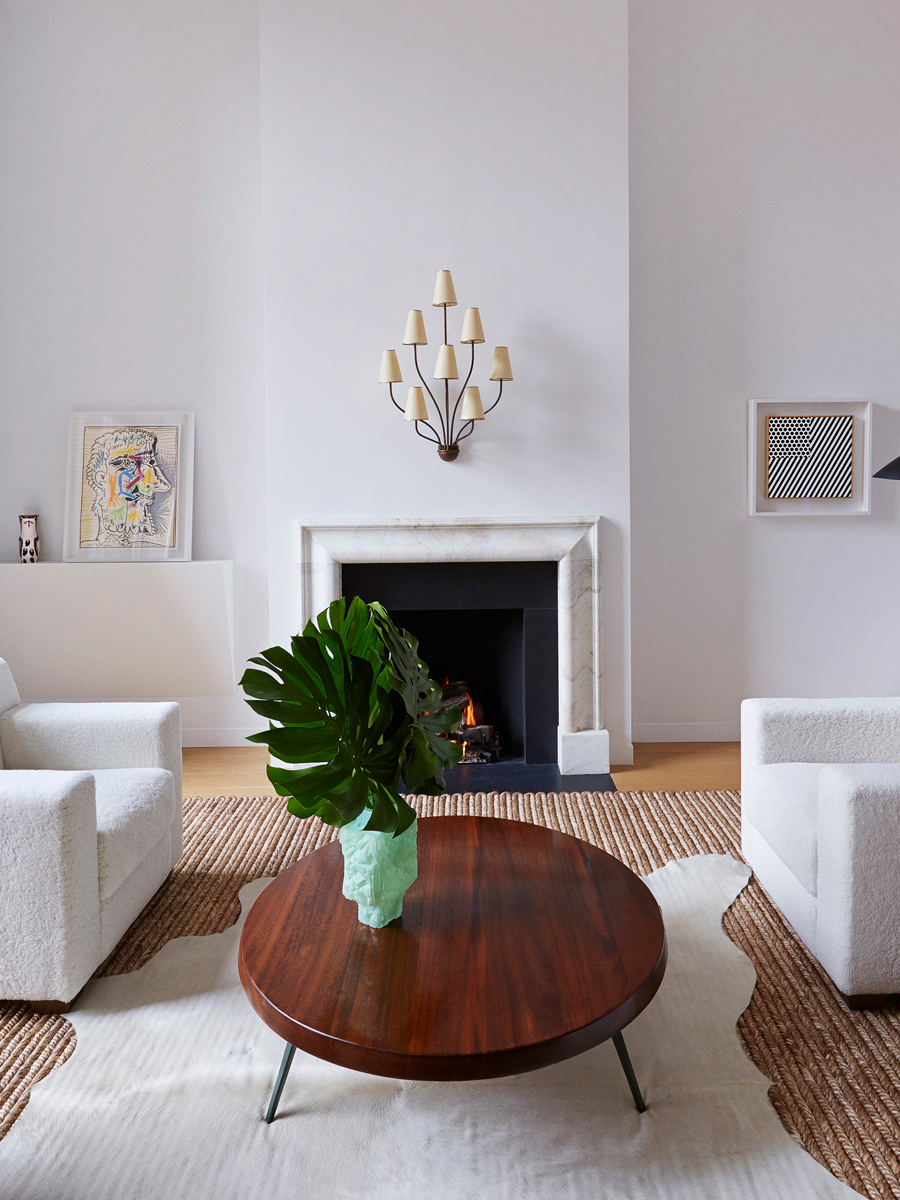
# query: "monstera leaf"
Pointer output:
{"type": "Point", "coordinates": [429, 751]}
{"type": "Point", "coordinates": [351, 699]}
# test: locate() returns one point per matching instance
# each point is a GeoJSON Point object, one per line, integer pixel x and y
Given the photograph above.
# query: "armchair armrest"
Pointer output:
{"type": "Point", "coordinates": [858, 886]}
{"type": "Point", "coordinates": [828, 731]}
{"type": "Point", "coordinates": [85, 737]}
{"type": "Point", "coordinates": [49, 890]}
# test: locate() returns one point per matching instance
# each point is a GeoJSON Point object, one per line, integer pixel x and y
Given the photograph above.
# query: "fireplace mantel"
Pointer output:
{"type": "Point", "coordinates": [573, 542]}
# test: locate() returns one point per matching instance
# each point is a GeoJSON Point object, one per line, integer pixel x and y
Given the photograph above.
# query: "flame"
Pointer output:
{"type": "Point", "coordinates": [469, 716]}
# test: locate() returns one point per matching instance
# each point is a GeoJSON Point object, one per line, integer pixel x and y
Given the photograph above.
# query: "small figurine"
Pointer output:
{"type": "Point", "coordinates": [29, 542]}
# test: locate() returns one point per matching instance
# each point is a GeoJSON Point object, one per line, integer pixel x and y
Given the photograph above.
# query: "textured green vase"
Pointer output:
{"type": "Point", "coordinates": [378, 870]}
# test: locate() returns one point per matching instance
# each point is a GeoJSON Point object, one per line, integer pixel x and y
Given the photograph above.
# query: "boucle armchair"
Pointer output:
{"type": "Point", "coordinates": [820, 826]}
{"type": "Point", "coordinates": [90, 826]}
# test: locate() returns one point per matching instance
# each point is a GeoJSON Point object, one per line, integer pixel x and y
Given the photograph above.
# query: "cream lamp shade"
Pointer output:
{"type": "Point", "coordinates": [444, 291]}
{"type": "Point", "coordinates": [415, 329]}
{"type": "Point", "coordinates": [390, 367]}
{"type": "Point", "coordinates": [500, 368]}
{"type": "Point", "coordinates": [472, 409]}
{"type": "Point", "coordinates": [446, 364]}
{"type": "Point", "coordinates": [472, 332]}
{"type": "Point", "coordinates": [415, 405]}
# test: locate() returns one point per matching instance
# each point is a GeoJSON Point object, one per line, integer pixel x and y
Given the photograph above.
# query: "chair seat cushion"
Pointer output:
{"type": "Point", "coordinates": [781, 801]}
{"type": "Point", "coordinates": [135, 807]}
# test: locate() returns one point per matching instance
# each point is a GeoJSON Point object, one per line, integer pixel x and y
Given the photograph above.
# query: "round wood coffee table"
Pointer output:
{"type": "Point", "coordinates": [518, 947]}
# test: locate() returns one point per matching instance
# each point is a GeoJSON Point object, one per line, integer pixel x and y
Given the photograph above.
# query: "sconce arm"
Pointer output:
{"type": "Point", "coordinates": [461, 391]}
{"type": "Point", "coordinates": [435, 439]}
{"type": "Point", "coordinates": [428, 389]}
{"type": "Point", "coordinates": [497, 401]}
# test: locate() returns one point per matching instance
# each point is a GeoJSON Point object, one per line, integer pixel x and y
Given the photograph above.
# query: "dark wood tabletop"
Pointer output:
{"type": "Point", "coordinates": [518, 947]}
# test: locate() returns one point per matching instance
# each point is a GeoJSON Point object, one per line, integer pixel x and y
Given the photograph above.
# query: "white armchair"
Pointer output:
{"type": "Point", "coordinates": [820, 826]}
{"type": "Point", "coordinates": [90, 826]}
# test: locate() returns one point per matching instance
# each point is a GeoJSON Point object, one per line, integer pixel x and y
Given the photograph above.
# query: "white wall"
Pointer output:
{"type": "Point", "coordinates": [490, 139]}
{"type": "Point", "coordinates": [130, 238]}
{"type": "Point", "coordinates": [765, 242]}
{"type": "Point", "coordinates": [493, 139]}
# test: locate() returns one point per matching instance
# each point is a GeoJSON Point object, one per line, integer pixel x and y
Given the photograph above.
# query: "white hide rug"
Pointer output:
{"type": "Point", "coordinates": [164, 1094]}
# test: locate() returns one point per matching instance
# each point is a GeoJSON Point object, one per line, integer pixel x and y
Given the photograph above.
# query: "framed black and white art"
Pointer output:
{"type": "Point", "coordinates": [809, 458]}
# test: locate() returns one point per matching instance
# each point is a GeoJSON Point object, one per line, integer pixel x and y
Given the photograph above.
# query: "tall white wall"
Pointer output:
{"type": "Point", "coordinates": [392, 140]}
{"type": "Point", "coordinates": [130, 242]}
{"type": "Point", "coordinates": [492, 140]}
{"type": "Point", "coordinates": [765, 242]}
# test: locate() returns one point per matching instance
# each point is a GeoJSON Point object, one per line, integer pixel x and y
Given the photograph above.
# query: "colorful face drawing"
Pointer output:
{"type": "Point", "coordinates": [125, 476]}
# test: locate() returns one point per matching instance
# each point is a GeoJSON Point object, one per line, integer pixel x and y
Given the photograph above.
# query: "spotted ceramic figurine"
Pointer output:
{"type": "Point", "coordinates": [29, 542]}
{"type": "Point", "coordinates": [378, 870]}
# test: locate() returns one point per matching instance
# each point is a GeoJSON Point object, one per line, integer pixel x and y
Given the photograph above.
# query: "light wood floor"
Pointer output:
{"type": "Point", "coordinates": [658, 767]}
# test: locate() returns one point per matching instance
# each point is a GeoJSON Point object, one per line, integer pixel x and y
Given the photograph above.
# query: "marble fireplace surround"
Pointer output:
{"type": "Point", "coordinates": [572, 542]}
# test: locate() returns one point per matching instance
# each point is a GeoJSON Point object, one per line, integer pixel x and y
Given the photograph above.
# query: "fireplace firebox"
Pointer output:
{"type": "Point", "coordinates": [492, 625]}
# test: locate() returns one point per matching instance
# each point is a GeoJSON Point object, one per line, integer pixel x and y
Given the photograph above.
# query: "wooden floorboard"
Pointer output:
{"type": "Point", "coordinates": [681, 767]}
{"type": "Point", "coordinates": [658, 767]}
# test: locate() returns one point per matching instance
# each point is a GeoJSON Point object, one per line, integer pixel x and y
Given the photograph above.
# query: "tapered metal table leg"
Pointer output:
{"type": "Point", "coordinates": [622, 1051]}
{"type": "Point", "coordinates": [283, 1070]}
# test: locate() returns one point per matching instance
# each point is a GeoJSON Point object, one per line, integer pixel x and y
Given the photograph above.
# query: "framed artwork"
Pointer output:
{"type": "Point", "coordinates": [129, 493]}
{"type": "Point", "coordinates": [809, 457]}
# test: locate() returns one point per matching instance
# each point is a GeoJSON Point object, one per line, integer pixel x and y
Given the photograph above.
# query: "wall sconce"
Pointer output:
{"type": "Point", "coordinates": [467, 407]}
{"type": "Point", "coordinates": [891, 471]}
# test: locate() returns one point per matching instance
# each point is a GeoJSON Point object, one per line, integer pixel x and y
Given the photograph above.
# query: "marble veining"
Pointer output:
{"type": "Point", "coordinates": [573, 542]}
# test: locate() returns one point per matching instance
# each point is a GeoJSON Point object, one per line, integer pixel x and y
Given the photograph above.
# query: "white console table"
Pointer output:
{"type": "Point", "coordinates": [111, 631]}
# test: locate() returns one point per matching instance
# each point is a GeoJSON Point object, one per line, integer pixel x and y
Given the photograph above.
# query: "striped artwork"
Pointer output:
{"type": "Point", "coordinates": [809, 458]}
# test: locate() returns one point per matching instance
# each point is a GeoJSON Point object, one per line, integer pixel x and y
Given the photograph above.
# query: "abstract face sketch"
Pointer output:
{"type": "Point", "coordinates": [129, 487]}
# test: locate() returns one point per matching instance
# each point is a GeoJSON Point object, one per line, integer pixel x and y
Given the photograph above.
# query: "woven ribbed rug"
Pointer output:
{"type": "Point", "coordinates": [836, 1073]}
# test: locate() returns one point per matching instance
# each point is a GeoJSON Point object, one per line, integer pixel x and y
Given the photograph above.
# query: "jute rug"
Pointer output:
{"type": "Point", "coordinates": [164, 1094]}
{"type": "Point", "coordinates": [836, 1080]}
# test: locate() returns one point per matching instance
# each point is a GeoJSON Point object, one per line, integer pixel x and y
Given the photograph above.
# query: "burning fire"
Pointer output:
{"type": "Point", "coordinates": [469, 715]}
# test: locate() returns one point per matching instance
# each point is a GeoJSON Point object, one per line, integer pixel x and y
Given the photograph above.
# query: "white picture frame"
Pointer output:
{"type": "Point", "coordinates": [857, 504]}
{"type": "Point", "coordinates": [129, 487]}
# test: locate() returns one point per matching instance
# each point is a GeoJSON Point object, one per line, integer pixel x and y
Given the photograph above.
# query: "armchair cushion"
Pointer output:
{"type": "Point", "coordinates": [781, 800]}
{"type": "Point", "coordinates": [84, 737]}
{"type": "Point", "coordinates": [135, 808]}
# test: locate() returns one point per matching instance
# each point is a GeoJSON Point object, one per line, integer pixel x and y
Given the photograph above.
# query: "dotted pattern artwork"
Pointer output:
{"type": "Point", "coordinates": [809, 458]}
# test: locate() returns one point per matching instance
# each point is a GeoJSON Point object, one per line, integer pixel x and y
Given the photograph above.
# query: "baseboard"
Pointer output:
{"type": "Point", "coordinates": [218, 735]}
{"type": "Point", "coordinates": [621, 754]}
{"type": "Point", "coordinates": [724, 731]}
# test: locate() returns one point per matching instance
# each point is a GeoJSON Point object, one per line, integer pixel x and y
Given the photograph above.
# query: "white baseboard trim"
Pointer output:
{"type": "Point", "coordinates": [724, 731]}
{"type": "Point", "coordinates": [621, 754]}
{"type": "Point", "coordinates": [219, 735]}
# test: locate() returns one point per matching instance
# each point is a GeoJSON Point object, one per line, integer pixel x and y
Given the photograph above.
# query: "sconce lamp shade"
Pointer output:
{"type": "Point", "coordinates": [472, 409]}
{"type": "Point", "coordinates": [390, 367]}
{"type": "Point", "coordinates": [500, 368]}
{"type": "Point", "coordinates": [891, 471]}
{"type": "Point", "coordinates": [415, 405]}
{"type": "Point", "coordinates": [444, 292]}
{"type": "Point", "coordinates": [415, 329]}
{"type": "Point", "coordinates": [472, 332]}
{"type": "Point", "coordinates": [446, 364]}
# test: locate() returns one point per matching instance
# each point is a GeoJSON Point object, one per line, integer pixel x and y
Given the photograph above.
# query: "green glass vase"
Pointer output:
{"type": "Point", "coordinates": [379, 869]}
